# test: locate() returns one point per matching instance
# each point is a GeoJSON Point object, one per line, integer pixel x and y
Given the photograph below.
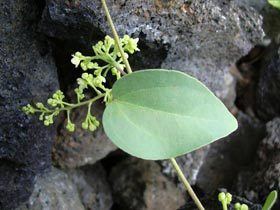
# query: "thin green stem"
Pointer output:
{"type": "Point", "coordinates": [73, 106]}
{"type": "Point", "coordinates": [116, 36]}
{"type": "Point", "coordinates": [186, 184]}
{"type": "Point", "coordinates": [176, 166]}
{"type": "Point", "coordinates": [224, 206]}
{"type": "Point", "coordinates": [68, 115]}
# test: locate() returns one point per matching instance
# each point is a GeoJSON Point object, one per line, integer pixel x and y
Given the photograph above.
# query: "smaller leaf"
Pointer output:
{"type": "Point", "coordinates": [270, 200]}
{"type": "Point", "coordinates": [275, 3]}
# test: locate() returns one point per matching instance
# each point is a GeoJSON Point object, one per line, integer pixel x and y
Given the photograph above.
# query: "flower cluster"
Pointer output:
{"type": "Point", "coordinates": [106, 58]}
{"type": "Point", "coordinates": [226, 198]}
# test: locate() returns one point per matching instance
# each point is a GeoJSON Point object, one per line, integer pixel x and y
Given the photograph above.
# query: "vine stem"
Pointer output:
{"type": "Point", "coordinates": [186, 184]}
{"type": "Point", "coordinates": [116, 36]}
{"type": "Point", "coordinates": [173, 161]}
{"type": "Point", "coordinates": [73, 106]}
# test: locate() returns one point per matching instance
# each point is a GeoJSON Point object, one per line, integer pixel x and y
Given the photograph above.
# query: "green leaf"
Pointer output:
{"type": "Point", "coordinates": [275, 3]}
{"type": "Point", "coordinates": [159, 114]}
{"type": "Point", "coordinates": [270, 200]}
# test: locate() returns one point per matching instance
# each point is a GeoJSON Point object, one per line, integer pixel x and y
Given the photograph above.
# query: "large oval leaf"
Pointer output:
{"type": "Point", "coordinates": [159, 114]}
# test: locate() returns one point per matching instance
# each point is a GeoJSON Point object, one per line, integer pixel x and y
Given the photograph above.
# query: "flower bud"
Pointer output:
{"type": "Point", "coordinates": [85, 125]}
{"type": "Point", "coordinates": [244, 207]}
{"type": "Point", "coordinates": [222, 196]}
{"type": "Point", "coordinates": [70, 126]}
{"type": "Point", "coordinates": [228, 198]}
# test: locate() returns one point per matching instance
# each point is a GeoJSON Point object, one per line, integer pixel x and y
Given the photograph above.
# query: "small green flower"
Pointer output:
{"type": "Point", "coordinates": [225, 199]}
{"type": "Point", "coordinates": [28, 109]}
{"type": "Point", "coordinates": [79, 93]}
{"type": "Point", "coordinates": [130, 44]}
{"type": "Point", "coordinates": [98, 80]}
{"type": "Point", "coordinates": [90, 123]}
{"type": "Point", "coordinates": [76, 59]}
{"type": "Point", "coordinates": [228, 198]}
{"type": "Point", "coordinates": [237, 206]}
{"type": "Point", "coordinates": [105, 51]}
{"type": "Point", "coordinates": [70, 126]}
{"type": "Point", "coordinates": [92, 65]}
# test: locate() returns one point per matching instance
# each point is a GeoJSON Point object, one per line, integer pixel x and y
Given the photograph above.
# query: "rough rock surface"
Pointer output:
{"type": "Point", "coordinates": [264, 176]}
{"type": "Point", "coordinates": [202, 38]}
{"type": "Point", "coordinates": [92, 186]}
{"type": "Point", "coordinates": [270, 15]}
{"type": "Point", "coordinates": [81, 147]}
{"type": "Point", "coordinates": [139, 185]}
{"type": "Point", "coordinates": [267, 96]}
{"type": "Point", "coordinates": [27, 73]}
{"type": "Point", "coordinates": [54, 191]}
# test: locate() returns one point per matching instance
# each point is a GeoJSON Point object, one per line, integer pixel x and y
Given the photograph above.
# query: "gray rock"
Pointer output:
{"type": "Point", "coordinates": [203, 38]}
{"type": "Point", "coordinates": [27, 73]}
{"type": "Point", "coordinates": [268, 87]}
{"type": "Point", "coordinates": [270, 15]}
{"type": "Point", "coordinates": [54, 191]}
{"type": "Point", "coordinates": [81, 147]}
{"type": "Point", "coordinates": [139, 185]}
{"type": "Point", "coordinates": [264, 175]}
{"type": "Point", "coordinates": [92, 186]}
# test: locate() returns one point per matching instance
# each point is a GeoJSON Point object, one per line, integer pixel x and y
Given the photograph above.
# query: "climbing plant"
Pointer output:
{"type": "Point", "coordinates": [152, 114]}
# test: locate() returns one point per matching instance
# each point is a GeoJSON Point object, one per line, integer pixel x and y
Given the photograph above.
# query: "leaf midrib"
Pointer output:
{"type": "Point", "coordinates": [163, 111]}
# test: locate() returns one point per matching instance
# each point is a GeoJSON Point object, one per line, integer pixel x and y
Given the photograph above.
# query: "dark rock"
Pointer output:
{"type": "Point", "coordinates": [264, 176]}
{"type": "Point", "coordinates": [27, 72]}
{"type": "Point", "coordinates": [139, 185]}
{"type": "Point", "coordinates": [92, 186]}
{"type": "Point", "coordinates": [81, 147]}
{"type": "Point", "coordinates": [267, 96]}
{"type": "Point", "coordinates": [202, 38]}
{"type": "Point", "coordinates": [54, 190]}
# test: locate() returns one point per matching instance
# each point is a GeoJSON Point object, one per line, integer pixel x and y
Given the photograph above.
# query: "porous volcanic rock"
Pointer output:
{"type": "Point", "coordinates": [27, 73]}
{"type": "Point", "coordinates": [202, 38]}
{"type": "Point", "coordinates": [92, 185]}
{"type": "Point", "coordinates": [139, 185]}
{"type": "Point", "coordinates": [257, 181]}
{"type": "Point", "coordinates": [81, 147]}
{"type": "Point", "coordinates": [54, 190]}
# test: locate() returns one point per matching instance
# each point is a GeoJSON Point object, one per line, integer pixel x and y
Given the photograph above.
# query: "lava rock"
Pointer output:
{"type": "Point", "coordinates": [27, 73]}
{"type": "Point", "coordinates": [92, 186]}
{"type": "Point", "coordinates": [267, 95]}
{"type": "Point", "coordinates": [54, 190]}
{"type": "Point", "coordinates": [202, 38]}
{"type": "Point", "coordinates": [270, 16]}
{"type": "Point", "coordinates": [81, 147]}
{"type": "Point", "coordinates": [264, 176]}
{"type": "Point", "coordinates": [138, 184]}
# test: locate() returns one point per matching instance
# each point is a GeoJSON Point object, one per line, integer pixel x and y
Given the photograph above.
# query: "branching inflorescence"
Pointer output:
{"type": "Point", "coordinates": [106, 59]}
